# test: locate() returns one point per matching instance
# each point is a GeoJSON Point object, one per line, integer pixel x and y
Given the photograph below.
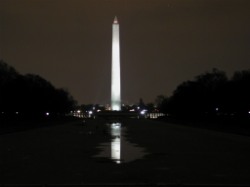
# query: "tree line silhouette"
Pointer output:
{"type": "Point", "coordinates": [211, 94]}
{"type": "Point", "coordinates": [30, 94]}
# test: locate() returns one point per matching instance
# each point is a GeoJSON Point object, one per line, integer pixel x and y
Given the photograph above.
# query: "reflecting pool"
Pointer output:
{"type": "Point", "coordinates": [120, 150]}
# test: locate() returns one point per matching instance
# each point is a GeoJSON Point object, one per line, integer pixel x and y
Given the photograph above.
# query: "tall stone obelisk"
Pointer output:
{"type": "Point", "coordinates": [115, 79]}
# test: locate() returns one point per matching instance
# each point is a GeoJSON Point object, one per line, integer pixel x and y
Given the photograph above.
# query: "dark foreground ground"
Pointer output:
{"type": "Point", "coordinates": [177, 155]}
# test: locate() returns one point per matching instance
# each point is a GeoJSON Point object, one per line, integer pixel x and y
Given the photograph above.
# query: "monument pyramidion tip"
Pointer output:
{"type": "Point", "coordinates": [115, 20]}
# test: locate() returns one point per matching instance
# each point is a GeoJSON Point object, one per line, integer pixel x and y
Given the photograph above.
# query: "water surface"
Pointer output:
{"type": "Point", "coordinates": [119, 149]}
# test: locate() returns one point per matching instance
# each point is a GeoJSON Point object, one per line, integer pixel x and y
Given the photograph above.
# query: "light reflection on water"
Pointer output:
{"type": "Point", "coordinates": [119, 149]}
{"type": "Point", "coordinates": [116, 142]}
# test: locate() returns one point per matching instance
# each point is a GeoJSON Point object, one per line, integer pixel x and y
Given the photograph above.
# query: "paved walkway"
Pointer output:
{"type": "Point", "coordinates": [176, 155]}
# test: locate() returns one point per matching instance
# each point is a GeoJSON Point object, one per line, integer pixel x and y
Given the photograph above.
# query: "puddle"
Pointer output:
{"type": "Point", "coordinates": [120, 150]}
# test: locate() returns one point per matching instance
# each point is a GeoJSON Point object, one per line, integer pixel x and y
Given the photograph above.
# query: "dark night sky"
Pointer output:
{"type": "Point", "coordinates": [163, 43]}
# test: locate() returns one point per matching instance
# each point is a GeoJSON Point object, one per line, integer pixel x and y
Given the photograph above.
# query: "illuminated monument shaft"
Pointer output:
{"type": "Point", "coordinates": [115, 80]}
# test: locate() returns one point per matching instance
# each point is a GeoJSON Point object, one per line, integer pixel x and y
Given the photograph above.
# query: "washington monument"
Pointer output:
{"type": "Point", "coordinates": [115, 79]}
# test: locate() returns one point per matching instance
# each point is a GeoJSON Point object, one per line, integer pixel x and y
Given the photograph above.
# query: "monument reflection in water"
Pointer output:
{"type": "Point", "coordinates": [119, 149]}
{"type": "Point", "coordinates": [116, 142]}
